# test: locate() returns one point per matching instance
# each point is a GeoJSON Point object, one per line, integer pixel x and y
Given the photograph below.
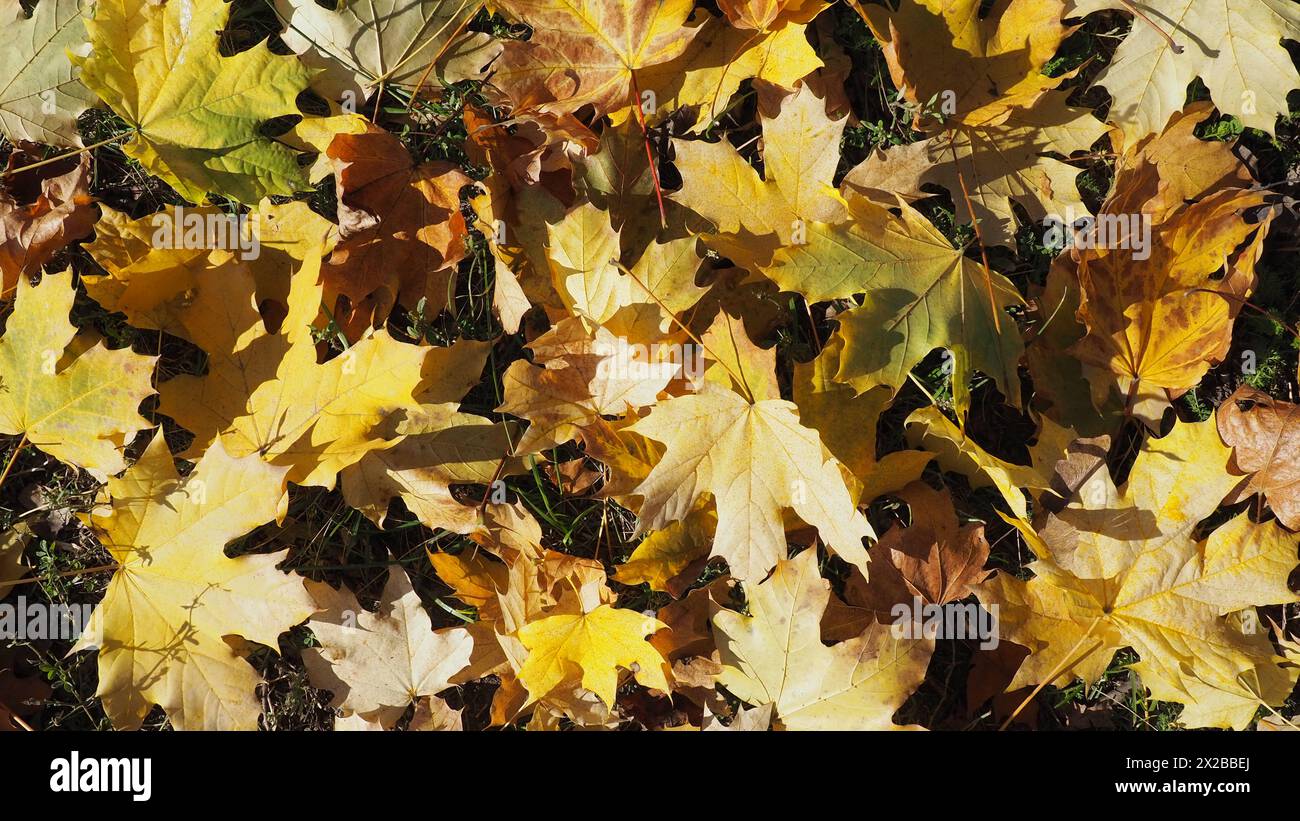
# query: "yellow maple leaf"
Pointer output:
{"type": "Point", "coordinates": [847, 421]}
{"type": "Point", "coordinates": [175, 597]}
{"type": "Point", "coordinates": [976, 83]}
{"type": "Point", "coordinates": [776, 656]}
{"type": "Point", "coordinates": [1124, 568]}
{"type": "Point", "coordinates": [756, 459]}
{"type": "Point", "coordinates": [704, 78]}
{"type": "Point", "coordinates": [585, 52]}
{"type": "Point", "coordinates": [1158, 313]}
{"type": "Point", "coordinates": [583, 250]}
{"type": "Point", "coordinates": [195, 116]}
{"type": "Point", "coordinates": [665, 553]}
{"type": "Point", "coordinates": [585, 376]}
{"type": "Point", "coordinates": [592, 645]}
{"type": "Point", "coordinates": [922, 294]}
{"type": "Point", "coordinates": [266, 393]}
{"type": "Point", "coordinates": [68, 394]}
{"type": "Point", "coordinates": [438, 447]}
{"type": "Point", "coordinates": [1236, 46]}
{"type": "Point", "coordinates": [754, 214]}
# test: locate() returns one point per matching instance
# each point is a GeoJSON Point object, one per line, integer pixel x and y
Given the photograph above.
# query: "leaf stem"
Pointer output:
{"type": "Point", "coordinates": [738, 378]}
{"type": "Point", "coordinates": [1064, 664]}
{"type": "Point", "coordinates": [15, 171]}
{"type": "Point", "coordinates": [1136, 12]}
{"type": "Point", "coordinates": [649, 155]}
{"type": "Point", "coordinates": [22, 443]}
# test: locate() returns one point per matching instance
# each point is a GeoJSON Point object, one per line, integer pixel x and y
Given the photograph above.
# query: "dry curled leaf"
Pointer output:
{"type": "Point", "coordinates": [40, 213]}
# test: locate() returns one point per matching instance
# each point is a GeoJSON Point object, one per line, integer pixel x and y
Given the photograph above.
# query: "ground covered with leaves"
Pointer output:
{"type": "Point", "coordinates": [649, 364]}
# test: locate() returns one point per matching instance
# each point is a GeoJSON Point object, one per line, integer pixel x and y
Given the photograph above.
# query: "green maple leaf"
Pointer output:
{"type": "Point", "coordinates": [196, 115]}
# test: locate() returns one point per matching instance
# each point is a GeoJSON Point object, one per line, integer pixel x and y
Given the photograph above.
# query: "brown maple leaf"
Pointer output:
{"type": "Point", "coordinates": [41, 211]}
{"type": "Point", "coordinates": [401, 230]}
{"type": "Point", "coordinates": [935, 558]}
{"type": "Point", "coordinates": [1264, 434]}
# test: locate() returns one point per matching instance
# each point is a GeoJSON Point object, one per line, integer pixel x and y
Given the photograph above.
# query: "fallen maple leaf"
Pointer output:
{"type": "Point", "coordinates": [584, 251]}
{"type": "Point", "coordinates": [997, 119]}
{"type": "Point", "coordinates": [593, 645]}
{"type": "Point", "coordinates": [664, 554]}
{"type": "Point", "coordinates": [68, 394]}
{"type": "Point", "coordinates": [718, 443]}
{"type": "Point", "coordinates": [847, 420]}
{"type": "Point", "coordinates": [1156, 311]}
{"type": "Point", "coordinates": [267, 394]}
{"type": "Point", "coordinates": [922, 294]}
{"type": "Point", "coordinates": [195, 116]}
{"type": "Point", "coordinates": [41, 213]}
{"type": "Point", "coordinates": [754, 215]}
{"type": "Point", "coordinates": [586, 52]}
{"type": "Point", "coordinates": [957, 452]}
{"type": "Point", "coordinates": [401, 230]}
{"type": "Point", "coordinates": [1263, 434]}
{"type": "Point", "coordinates": [439, 447]}
{"type": "Point", "coordinates": [762, 15]}
{"type": "Point", "coordinates": [700, 84]}
{"type": "Point", "coordinates": [364, 46]}
{"type": "Point", "coordinates": [775, 656]}
{"type": "Point", "coordinates": [175, 597]}
{"type": "Point", "coordinates": [377, 663]}
{"type": "Point", "coordinates": [584, 377]}
{"type": "Point", "coordinates": [1124, 569]}
{"type": "Point", "coordinates": [12, 567]}
{"type": "Point", "coordinates": [40, 95]}
{"type": "Point", "coordinates": [1234, 46]}
{"type": "Point", "coordinates": [935, 557]}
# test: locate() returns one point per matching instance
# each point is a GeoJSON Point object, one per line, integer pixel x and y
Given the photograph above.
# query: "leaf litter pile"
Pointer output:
{"type": "Point", "coordinates": [749, 364]}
